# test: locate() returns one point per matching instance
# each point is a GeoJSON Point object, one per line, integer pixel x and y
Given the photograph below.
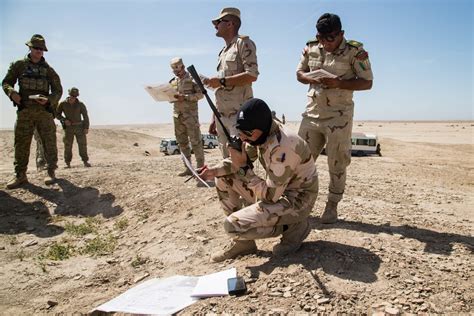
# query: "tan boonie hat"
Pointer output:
{"type": "Point", "coordinates": [74, 92]}
{"type": "Point", "coordinates": [225, 12]}
{"type": "Point", "coordinates": [176, 63]}
{"type": "Point", "coordinates": [37, 41]}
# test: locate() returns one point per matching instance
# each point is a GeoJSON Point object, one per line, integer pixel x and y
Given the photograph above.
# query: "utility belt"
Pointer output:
{"type": "Point", "coordinates": [76, 123]}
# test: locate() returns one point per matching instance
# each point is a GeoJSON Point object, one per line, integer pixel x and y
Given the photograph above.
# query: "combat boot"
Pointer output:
{"type": "Point", "coordinates": [87, 165]}
{"type": "Point", "coordinates": [68, 165]}
{"type": "Point", "coordinates": [50, 178]}
{"type": "Point", "coordinates": [329, 215]}
{"type": "Point", "coordinates": [185, 173]}
{"type": "Point", "coordinates": [17, 180]}
{"type": "Point", "coordinates": [234, 249]}
{"type": "Point", "coordinates": [292, 238]}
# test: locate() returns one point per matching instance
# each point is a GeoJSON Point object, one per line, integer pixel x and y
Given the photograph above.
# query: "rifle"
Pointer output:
{"type": "Point", "coordinates": [234, 141]}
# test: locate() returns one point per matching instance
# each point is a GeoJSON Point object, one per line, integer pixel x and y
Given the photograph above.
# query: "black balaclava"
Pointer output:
{"type": "Point", "coordinates": [255, 114]}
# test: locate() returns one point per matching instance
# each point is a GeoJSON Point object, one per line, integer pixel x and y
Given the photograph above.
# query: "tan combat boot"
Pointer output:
{"type": "Point", "coordinates": [234, 249]}
{"type": "Point", "coordinates": [186, 172]}
{"type": "Point", "coordinates": [330, 213]}
{"type": "Point", "coordinates": [17, 180]}
{"type": "Point", "coordinates": [50, 178]}
{"type": "Point", "coordinates": [292, 238]}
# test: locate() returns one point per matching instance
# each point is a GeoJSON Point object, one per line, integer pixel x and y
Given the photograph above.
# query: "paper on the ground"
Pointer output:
{"type": "Point", "coordinates": [190, 167]}
{"type": "Point", "coordinates": [156, 297]}
{"type": "Point", "coordinates": [320, 73]}
{"type": "Point", "coordinates": [214, 284]}
{"type": "Point", "coordinates": [163, 92]}
{"type": "Point", "coordinates": [38, 97]}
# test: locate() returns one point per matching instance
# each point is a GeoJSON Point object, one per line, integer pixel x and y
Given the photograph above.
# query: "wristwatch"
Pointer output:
{"type": "Point", "coordinates": [222, 82]}
{"type": "Point", "coordinates": [243, 170]}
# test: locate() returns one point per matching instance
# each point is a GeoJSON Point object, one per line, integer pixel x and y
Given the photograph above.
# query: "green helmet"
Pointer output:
{"type": "Point", "coordinates": [74, 92]}
{"type": "Point", "coordinates": [37, 41]}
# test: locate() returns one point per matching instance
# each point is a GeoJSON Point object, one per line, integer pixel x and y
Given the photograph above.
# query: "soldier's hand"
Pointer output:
{"type": "Point", "coordinates": [179, 97]}
{"type": "Point", "coordinates": [212, 128]}
{"type": "Point", "coordinates": [15, 97]}
{"type": "Point", "coordinates": [207, 174]}
{"type": "Point", "coordinates": [331, 83]}
{"type": "Point", "coordinates": [238, 158]}
{"type": "Point", "coordinates": [41, 101]}
{"type": "Point", "coordinates": [86, 130]}
{"type": "Point", "coordinates": [213, 82]}
{"type": "Point", "coordinates": [67, 122]}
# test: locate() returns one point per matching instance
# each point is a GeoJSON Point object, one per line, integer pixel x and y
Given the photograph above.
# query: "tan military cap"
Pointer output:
{"type": "Point", "coordinates": [225, 12]}
{"type": "Point", "coordinates": [176, 63]}
{"type": "Point", "coordinates": [74, 92]}
{"type": "Point", "coordinates": [37, 41]}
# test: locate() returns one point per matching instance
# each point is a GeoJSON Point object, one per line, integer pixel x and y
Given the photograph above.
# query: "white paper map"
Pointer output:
{"type": "Point", "coordinates": [190, 167]}
{"type": "Point", "coordinates": [162, 93]}
{"type": "Point", "coordinates": [320, 73]}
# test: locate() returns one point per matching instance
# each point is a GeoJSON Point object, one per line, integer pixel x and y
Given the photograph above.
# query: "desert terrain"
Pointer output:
{"type": "Point", "coordinates": [403, 245]}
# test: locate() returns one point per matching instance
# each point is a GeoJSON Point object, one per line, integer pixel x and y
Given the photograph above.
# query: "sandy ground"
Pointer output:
{"type": "Point", "coordinates": [404, 242]}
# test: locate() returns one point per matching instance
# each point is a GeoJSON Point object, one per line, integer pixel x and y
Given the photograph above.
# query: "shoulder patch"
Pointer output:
{"type": "Point", "coordinates": [312, 41]}
{"type": "Point", "coordinates": [354, 43]}
{"type": "Point", "coordinates": [244, 37]}
{"type": "Point", "coordinates": [362, 55]}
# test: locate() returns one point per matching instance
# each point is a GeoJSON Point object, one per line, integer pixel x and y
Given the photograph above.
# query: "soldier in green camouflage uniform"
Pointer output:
{"type": "Point", "coordinates": [75, 122]}
{"type": "Point", "coordinates": [35, 77]}
{"type": "Point", "coordinates": [237, 69]}
{"type": "Point", "coordinates": [277, 205]}
{"type": "Point", "coordinates": [185, 114]}
{"type": "Point", "coordinates": [330, 108]}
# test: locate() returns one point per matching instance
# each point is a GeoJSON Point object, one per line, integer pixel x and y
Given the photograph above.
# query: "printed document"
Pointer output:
{"type": "Point", "coordinates": [162, 93]}
{"type": "Point", "coordinates": [320, 73]}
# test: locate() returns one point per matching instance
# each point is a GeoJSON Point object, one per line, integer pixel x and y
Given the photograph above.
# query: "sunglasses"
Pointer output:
{"type": "Point", "coordinates": [219, 21]}
{"type": "Point", "coordinates": [328, 37]}
{"type": "Point", "coordinates": [246, 133]}
{"type": "Point", "coordinates": [38, 48]}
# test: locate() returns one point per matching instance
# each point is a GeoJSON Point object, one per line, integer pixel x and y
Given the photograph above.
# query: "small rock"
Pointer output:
{"type": "Point", "coordinates": [29, 243]}
{"type": "Point", "coordinates": [2, 247]}
{"type": "Point", "coordinates": [392, 311]}
{"type": "Point", "coordinates": [323, 300]}
{"type": "Point", "coordinates": [287, 294]}
{"type": "Point", "coordinates": [51, 303]}
{"type": "Point", "coordinates": [77, 277]}
{"type": "Point", "coordinates": [135, 144]}
{"type": "Point", "coordinates": [141, 277]}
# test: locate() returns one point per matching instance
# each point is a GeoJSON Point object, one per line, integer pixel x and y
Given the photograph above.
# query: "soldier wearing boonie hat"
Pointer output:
{"type": "Point", "coordinates": [237, 68]}
{"type": "Point", "coordinates": [75, 123]}
{"type": "Point", "coordinates": [39, 92]}
{"type": "Point", "coordinates": [185, 114]}
{"type": "Point", "coordinates": [330, 107]}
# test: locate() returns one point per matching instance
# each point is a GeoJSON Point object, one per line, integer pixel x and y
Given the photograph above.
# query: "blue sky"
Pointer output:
{"type": "Point", "coordinates": [421, 52]}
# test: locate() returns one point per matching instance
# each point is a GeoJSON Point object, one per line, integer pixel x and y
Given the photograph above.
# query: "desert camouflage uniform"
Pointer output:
{"type": "Point", "coordinates": [238, 57]}
{"type": "Point", "coordinates": [186, 118]}
{"type": "Point", "coordinates": [287, 196]}
{"type": "Point", "coordinates": [76, 113]}
{"type": "Point", "coordinates": [328, 116]}
{"type": "Point", "coordinates": [33, 79]}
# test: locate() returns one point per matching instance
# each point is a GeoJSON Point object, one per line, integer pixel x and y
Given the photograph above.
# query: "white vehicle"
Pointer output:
{"type": "Point", "coordinates": [209, 141]}
{"type": "Point", "coordinates": [365, 144]}
{"type": "Point", "coordinates": [169, 146]}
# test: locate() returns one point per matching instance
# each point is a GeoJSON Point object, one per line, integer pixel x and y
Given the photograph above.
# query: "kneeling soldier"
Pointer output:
{"type": "Point", "coordinates": [277, 205]}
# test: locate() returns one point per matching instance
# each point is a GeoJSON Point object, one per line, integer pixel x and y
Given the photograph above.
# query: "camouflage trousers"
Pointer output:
{"type": "Point", "coordinates": [68, 140]}
{"type": "Point", "coordinates": [229, 123]}
{"type": "Point", "coordinates": [335, 133]}
{"type": "Point", "coordinates": [27, 121]}
{"type": "Point", "coordinates": [258, 219]}
{"type": "Point", "coordinates": [187, 130]}
{"type": "Point", "coordinates": [40, 159]}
